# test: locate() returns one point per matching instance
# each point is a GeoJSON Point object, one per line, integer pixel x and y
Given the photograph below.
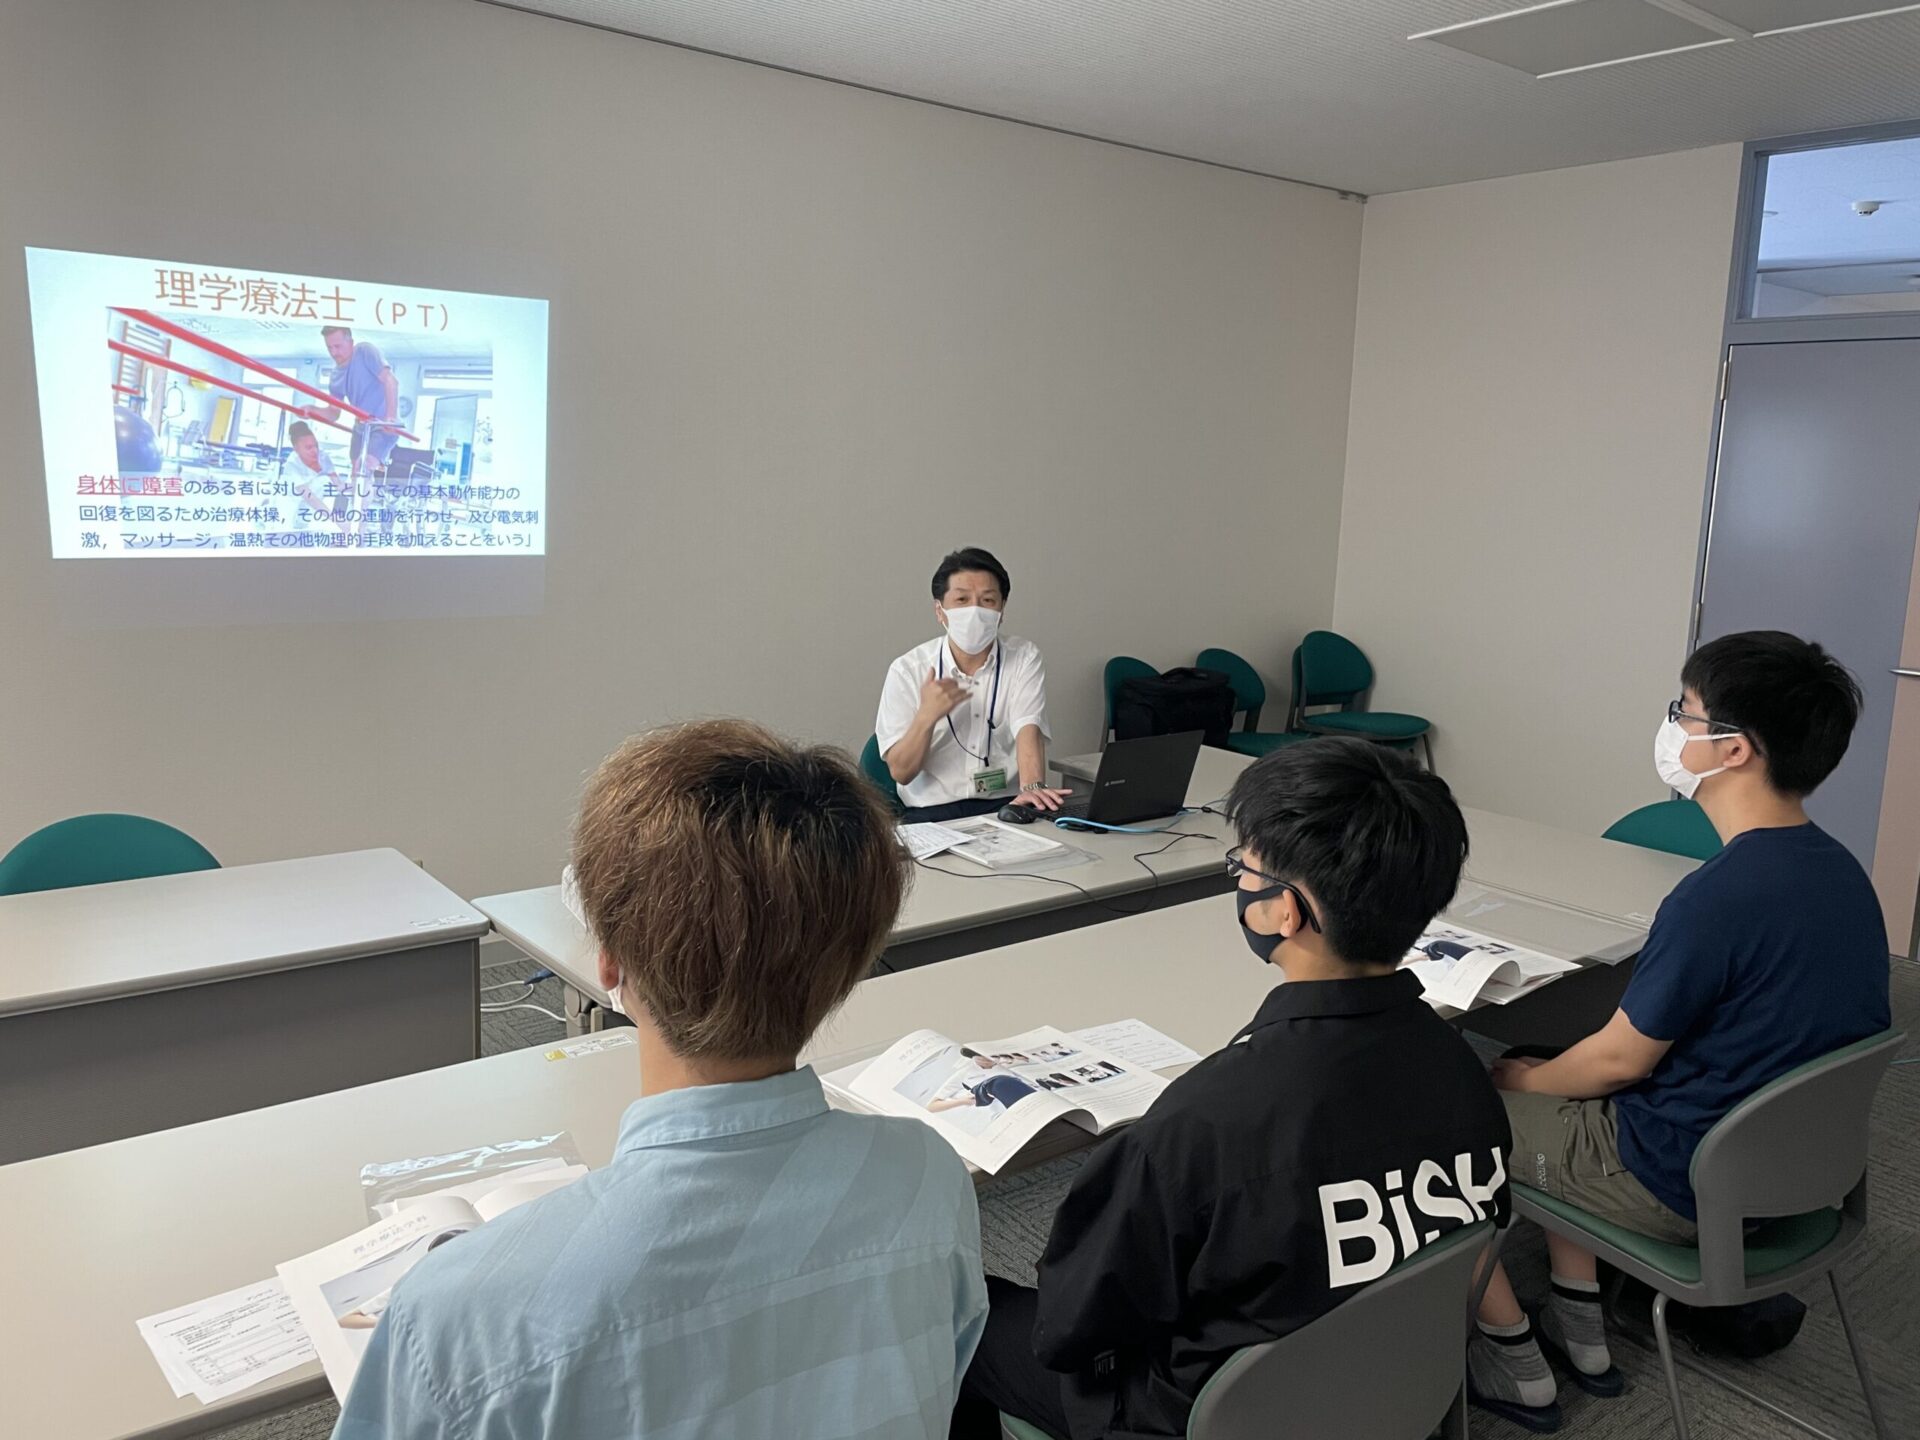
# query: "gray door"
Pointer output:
{"type": "Point", "coordinates": [1816, 499]}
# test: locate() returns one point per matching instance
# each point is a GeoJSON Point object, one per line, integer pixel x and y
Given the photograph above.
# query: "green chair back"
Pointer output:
{"type": "Point", "coordinates": [1329, 669]}
{"type": "Point", "coordinates": [1321, 1382]}
{"type": "Point", "coordinates": [99, 849]}
{"type": "Point", "coordinates": [1318, 1377]}
{"type": "Point", "coordinates": [1119, 670]}
{"type": "Point", "coordinates": [1679, 827]}
{"type": "Point", "coordinates": [1792, 1156]}
{"type": "Point", "coordinates": [1249, 691]}
{"type": "Point", "coordinates": [1796, 1145]}
{"type": "Point", "coordinates": [875, 769]}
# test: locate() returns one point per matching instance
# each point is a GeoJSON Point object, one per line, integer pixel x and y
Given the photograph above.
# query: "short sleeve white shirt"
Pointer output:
{"type": "Point", "coordinates": [968, 740]}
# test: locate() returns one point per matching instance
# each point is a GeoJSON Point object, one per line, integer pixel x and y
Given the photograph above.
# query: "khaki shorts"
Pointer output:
{"type": "Point", "coordinates": [1571, 1150]}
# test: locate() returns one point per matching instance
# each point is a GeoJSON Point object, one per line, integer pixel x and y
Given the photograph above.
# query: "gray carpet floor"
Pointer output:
{"type": "Point", "coordinates": [1813, 1378]}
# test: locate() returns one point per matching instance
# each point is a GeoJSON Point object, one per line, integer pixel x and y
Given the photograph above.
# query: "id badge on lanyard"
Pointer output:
{"type": "Point", "coordinates": [988, 778]}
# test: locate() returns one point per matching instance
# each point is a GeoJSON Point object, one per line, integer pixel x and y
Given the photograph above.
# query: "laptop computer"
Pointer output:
{"type": "Point", "coordinates": [1139, 780]}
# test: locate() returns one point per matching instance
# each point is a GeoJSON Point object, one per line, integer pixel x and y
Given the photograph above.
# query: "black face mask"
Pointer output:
{"type": "Point", "coordinates": [1262, 945]}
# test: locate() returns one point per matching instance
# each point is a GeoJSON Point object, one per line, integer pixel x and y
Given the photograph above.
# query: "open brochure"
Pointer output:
{"type": "Point", "coordinates": [1459, 967]}
{"type": "Point", "coordinates": [999, 846]}
{"type": "Point", "coordinates": [988, 1099]}
{"type": "Point", "coordinates": [340, 1292]}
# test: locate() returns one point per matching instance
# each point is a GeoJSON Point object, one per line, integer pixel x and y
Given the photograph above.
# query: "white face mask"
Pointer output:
{"type": "Point", "coordinates": [1669, 742]}
{"type": "Point", "coordinates": [973, 628]}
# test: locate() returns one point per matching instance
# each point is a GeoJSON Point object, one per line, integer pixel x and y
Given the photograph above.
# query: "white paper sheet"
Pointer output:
{"type": "Point", "coordinates": [926, 839]}
{"type": "Point", "coordinates": [218, 1347]}
{"type": "Point", "coordinates": [1138, 1043]}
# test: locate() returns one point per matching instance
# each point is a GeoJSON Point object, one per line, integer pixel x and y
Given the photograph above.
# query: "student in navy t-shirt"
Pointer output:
{"type": "Point", "coordinates": [1771, 954]}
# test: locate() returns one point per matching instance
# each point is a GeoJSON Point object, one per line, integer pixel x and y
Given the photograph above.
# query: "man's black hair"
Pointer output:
{"type": "Point", "coordinates": [1377, 840]}
{"type": "Point", "coordinates": [1793, 700]}
{"type": "Point", "coordinates": [972, 557]}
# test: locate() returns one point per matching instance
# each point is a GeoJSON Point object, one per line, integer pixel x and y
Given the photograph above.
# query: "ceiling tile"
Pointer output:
{"type": "Point", "coordinates": [1762, 17]}
{"type": "Point", "coordinates": [1575, 35]}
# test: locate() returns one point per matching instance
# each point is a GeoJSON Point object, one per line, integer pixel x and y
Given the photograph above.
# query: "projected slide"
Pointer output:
{"type": "Point", "coordinates": [207, 410]}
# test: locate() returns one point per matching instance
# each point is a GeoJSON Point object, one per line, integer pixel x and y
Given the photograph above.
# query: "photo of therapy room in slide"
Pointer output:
{"type": "Point", "coordinates": [337, 418]}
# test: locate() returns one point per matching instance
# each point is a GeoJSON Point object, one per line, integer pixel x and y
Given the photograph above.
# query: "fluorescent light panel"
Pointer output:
{"type": "Point", "coordinates": [1565, 36]}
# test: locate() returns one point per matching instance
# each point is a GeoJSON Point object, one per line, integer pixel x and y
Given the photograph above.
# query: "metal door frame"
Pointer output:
{"type": "Point", "coordinates": [1782, 330]}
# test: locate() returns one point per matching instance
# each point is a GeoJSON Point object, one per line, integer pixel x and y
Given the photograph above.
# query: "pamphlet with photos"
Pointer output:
{"type": "Point", "coordinates": [1458, 967]}
{"type": "Point", "coordinates": [988, 1099]}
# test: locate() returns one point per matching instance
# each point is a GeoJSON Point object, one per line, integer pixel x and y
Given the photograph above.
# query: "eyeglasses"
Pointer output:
{"type": "Point", "coordinates": [1237, 866]}
{"type": "Point", "coordinates": [1677, 712]}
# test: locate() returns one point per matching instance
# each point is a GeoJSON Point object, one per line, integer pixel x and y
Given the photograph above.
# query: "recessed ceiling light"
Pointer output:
{"type": "Point", "coordinates": [1562, 37]}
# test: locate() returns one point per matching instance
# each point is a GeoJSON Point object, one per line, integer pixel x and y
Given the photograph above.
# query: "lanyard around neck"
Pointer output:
{"type": "Point", "coordinates": [993, 700]}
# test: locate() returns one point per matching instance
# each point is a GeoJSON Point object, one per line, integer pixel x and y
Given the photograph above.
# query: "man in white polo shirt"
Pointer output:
{"type": "Point", "coordinates": [963, 718]}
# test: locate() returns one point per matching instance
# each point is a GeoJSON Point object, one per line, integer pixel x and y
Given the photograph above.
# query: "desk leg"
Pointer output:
{"type": "Point", "coordinates": [576, 1006]}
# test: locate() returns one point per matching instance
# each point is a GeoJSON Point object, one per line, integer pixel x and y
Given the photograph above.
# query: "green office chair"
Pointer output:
{"type": "Point", "coordinates": [1677, 826]}
{"type": "Point", "coordinates": [1249, 695]}
{"type": "Point", "coordinates": [1323, 1382]}
{"type": "Point", "coordinates": [1791, 1156]}
{"type": "Point", "coordinates": [1119, 670]}
{"type": "Point", "coordinates": [875, 769]}
{"type": "Point", "coordinates": [1329, 669]}
{"type": "Point", "coordinates": [97, 849]}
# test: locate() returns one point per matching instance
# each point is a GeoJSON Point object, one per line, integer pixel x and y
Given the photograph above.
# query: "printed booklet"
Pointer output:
{"type": "Point", "coordinates": [341, 1291]}
{"type": "Point", "coordinates": [1458, 967]}
{"type": "Point", "coordinates": [990, 1098]}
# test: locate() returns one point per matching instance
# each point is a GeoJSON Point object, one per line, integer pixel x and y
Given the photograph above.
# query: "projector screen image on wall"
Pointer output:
{"type": "Point", "coordinates": [209, 410]}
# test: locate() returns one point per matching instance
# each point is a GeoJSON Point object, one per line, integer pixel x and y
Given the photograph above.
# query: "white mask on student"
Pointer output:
{"type": "Point", "coordinates": [613, 1002]}
{"type": "Point", "coordinates": [1669, 742]}
{"type": "Point", "coordinates": [973, 628]}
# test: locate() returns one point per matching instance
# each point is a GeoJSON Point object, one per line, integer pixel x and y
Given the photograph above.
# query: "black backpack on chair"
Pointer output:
{"type": "Point", "coordinates": [1173, 702]}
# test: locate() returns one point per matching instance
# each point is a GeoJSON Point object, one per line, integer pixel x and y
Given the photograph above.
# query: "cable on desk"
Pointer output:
{"type": "Point", "coordinates": [1139, 859]}
{"type": "Point", "coordinates": [496, 1009]}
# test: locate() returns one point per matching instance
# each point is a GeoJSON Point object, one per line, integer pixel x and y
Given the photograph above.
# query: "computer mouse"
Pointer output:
{"type": "Point", "coordinates": [1018, 814]}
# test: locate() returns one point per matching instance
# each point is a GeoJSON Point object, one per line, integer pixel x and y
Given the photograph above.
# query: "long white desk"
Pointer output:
{"type": "Point", "coordinates": [1603, 877]}
{"type": "Point", "coordinates": [953, 907]}
{"type": "Point", "coordinates": [99, 1238]}
{"type": "Point", "coordinates": [146, 1004]}
{"type": "Point", "coordinates": [141, 1225]}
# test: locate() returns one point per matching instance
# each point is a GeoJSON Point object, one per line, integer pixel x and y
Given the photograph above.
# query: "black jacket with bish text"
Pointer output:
{"type": "Point", "coordinates": [1346, 1127]}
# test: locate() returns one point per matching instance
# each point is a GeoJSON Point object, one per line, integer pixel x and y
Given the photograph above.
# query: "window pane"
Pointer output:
{"type": "Point", "coordinates": [1839, 231]}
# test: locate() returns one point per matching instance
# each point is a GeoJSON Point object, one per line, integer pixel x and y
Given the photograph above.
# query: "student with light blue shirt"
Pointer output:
{"type": "Point", "coordinates": [751, 1263]}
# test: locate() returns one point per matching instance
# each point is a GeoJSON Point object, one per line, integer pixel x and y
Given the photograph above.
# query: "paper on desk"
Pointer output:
{"type": "Point", "coordinates": [499, 1191]}
{"type": "Point", "coordinates": [215, 1348]}
{"type": "Point", "coordinates": [1138, 1043]}
{"type": "Point", "coordinates": [594, 1044]}
{"type": "Point", "coordinates": [925, 839]}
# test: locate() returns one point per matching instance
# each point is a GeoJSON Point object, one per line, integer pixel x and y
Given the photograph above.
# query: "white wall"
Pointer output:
{"type": "Point", "coordinates": [1534, 374]}
{"type": "Point", "coordinates": [804, 339]}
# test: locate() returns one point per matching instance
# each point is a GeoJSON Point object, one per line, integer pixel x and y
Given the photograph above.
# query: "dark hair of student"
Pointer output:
{"type": "Point", "coordinates": [970, 1054]}
{"type": "Point", "coordinates": [1377, 840]}
{"type": "Point", "coordinates": [299, 430]}
{"type": "Point", "coordinates": [970, 558]}
{"type": "Point", "coordinates": [1793, 700]}
{"type": "Point", "coordinates": [326, 330]}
